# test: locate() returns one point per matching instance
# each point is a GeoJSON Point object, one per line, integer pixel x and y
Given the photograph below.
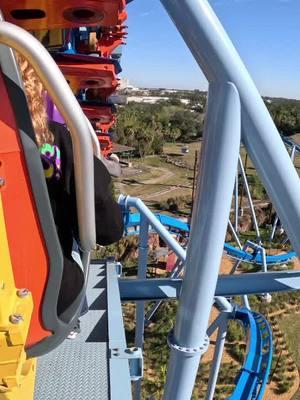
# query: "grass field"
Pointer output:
{"type": "Point", "coordinates": [291, 326]}
{"type": "Point", "coordinates": [154, 179]}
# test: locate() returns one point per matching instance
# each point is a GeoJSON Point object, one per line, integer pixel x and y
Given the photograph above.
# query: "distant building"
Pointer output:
{"type": "Point", "coordinates": [125, 85]}
{"type": "Point", "coordinates": [169, 91]}
{"type": "Point", "coordinates": [152, 99]}
{"type": "Point", "coordinates": [116, 98]}
{"type": "Point", "coordinates": [146, 99]}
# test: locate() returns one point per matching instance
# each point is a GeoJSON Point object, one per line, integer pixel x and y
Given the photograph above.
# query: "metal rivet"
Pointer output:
{"type": "Point", "coordinates": [22, 292]}
{"type": "Point", "coordinates": [131, 350]}
{"type": "Point", "coordinates": [16, 318]}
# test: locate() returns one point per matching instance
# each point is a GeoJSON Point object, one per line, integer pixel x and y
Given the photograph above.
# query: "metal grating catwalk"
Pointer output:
{"type": "Point", "coordinates": [78, 369]}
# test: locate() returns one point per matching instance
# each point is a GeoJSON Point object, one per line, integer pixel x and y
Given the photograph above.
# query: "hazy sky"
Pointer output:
{"type": "Point", "coordinates": [265, 32]}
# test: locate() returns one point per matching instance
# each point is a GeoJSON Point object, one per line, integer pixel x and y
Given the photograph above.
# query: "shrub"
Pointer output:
{"type": "Point", "coordinates": [283, 386]}
{"type": "Point", "coordinates": [235, 332]}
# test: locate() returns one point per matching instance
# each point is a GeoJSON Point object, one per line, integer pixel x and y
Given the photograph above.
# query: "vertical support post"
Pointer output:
{"type": "Point", "coordinates": [293, 153]}
{"type": "Point", "coordinates": [236, 203]}
{"type": "Point", "coordinates": [140, 305]}
{"type": "Point", "coordinates": [249, 199]}
{"type": "Point", "coordinates": [241, 209]}
{"type": "Point", "coordinates": [274, 228]}
{"type": "Point", "coordinates": [216, 363]}
{"type": "Point", "coordinates": [245, 302]}
{"type": "Point", "coordinates": [239, 261]}
{"type": "Point", "coordinates": [194, 180]}
{"type": "Point", "coordinates": [219, 160]}
{"type": "Point", "coordinates": [264, 259]}
{"type": "Point", "coordinates": [236, 238]}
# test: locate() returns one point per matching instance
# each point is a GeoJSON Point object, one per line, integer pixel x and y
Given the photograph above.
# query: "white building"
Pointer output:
{"type": "Point", "coordinates": [124, 84]}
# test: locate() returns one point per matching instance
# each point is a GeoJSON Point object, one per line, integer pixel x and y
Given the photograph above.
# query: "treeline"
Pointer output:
{"type": "Point", "coordinates": [147, 126]}
{"type": "Point", "coordinates": [286, 114]}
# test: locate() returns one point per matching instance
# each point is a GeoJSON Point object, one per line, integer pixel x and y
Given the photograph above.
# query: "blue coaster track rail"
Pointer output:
{"type": "Point", "coordinates": [176, 226]}
{"type": "Point", "coordinates": [253, 377]}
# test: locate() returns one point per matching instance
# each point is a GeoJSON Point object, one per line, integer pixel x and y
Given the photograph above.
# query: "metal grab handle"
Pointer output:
{"type": "Point", "coordinates": [59, 90]}
{"type": "Point", "coordinates": [96, 144]}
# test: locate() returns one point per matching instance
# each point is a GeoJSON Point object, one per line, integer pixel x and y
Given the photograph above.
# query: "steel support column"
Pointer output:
{"type": "Point", "coordinates": [140, 305]}
{"type": "Point", "coordinates": [216, 363]}
{"type": "Point", "coordinates": [219, 160]}
{"type": "Point", "coordinates": [234, 233]}
{"type": "Point", "coordinates": [236, 203]}
{"type": "Point", "coordinates": [251, 205]}
{"type": "Point", "coordinates": [216, 55]}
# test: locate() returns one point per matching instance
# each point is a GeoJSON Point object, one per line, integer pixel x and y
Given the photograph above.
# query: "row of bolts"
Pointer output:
{"type": "Point", "coordinates": [17, 318]}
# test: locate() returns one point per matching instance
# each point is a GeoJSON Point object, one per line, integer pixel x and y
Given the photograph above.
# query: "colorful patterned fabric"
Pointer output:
{"type": "Point", "coordinates": [51, 160]}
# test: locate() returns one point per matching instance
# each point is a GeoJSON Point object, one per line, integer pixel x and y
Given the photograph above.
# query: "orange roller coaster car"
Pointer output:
{"type": "Point", "coordinates": [45, 14]}
{"type": "Point", "coordinates": [88, 72]}
{"type": "Point", "coordinates": [102, 115]}
{"type": "Point", "coordinates": [105, 126]}
{"type": "Point", "coordinates": [109, 39]}
{"type": "Point", "coordinates": [104, 41]}
{"type": "Point", "coordinates": [105, 144]}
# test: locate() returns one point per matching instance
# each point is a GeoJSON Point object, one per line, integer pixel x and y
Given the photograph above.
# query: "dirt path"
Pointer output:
{"type": "Point", "coordinates": [166, 174]}
{"type": "Point", "coordinates": [156, 194]}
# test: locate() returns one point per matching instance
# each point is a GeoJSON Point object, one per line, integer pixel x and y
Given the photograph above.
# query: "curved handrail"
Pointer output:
{"type": "Point", "coordinates": [59, 90]}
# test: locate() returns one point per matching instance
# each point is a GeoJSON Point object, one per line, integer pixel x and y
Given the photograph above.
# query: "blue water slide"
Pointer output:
{"type": "Point", "coordinates": [175, 225]}
{"type": "Point", "coordinates": [253, 376]}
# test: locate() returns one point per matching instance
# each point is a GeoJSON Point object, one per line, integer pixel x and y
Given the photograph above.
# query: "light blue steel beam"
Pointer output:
{"type": "Point", "coordinates": [227, 286]}
{"type": "Point", "coordinates": [219, 160]}
{"type": "Point", "coordinates": [220, 62]}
